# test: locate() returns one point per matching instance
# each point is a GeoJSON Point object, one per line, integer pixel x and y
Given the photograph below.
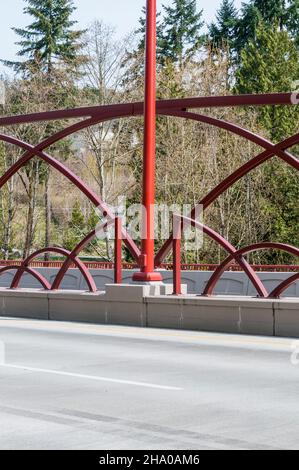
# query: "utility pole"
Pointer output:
{"type": "Point", "coordinates": [147, 259]}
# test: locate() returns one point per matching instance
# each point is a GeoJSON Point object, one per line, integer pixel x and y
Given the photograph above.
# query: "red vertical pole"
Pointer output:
{"type": "Point", "coordinates": [147, 263]}
{"type": "Point", "coordinates": [177, 264]}
{"type": "Point", "coordinates": [118, 251]}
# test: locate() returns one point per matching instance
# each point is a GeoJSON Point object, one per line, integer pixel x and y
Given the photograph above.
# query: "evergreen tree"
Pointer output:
{"type": "Point", "coordinates": [271, 64]}
{"type": "Point", "coordinates": [76, 227]}
{"type": "Point", "coordinates": [293, 20]}
{"type": "Point", "coordinates": [142, 30]}
{"type": "Point", "coordinates": [281, 14]}
{"type": "Point", "coordinates": [273, 12]}
{"type": "Point", "coordinates": [246, 27]}
{"type": "Point", "coordinates": [50, 47]}
{"type": "Point", "coordinates": [181, 27]}
{"type": "Point", "coordinates": [50, 39]}
{"type": "Point", "coordinates": [223, 32]}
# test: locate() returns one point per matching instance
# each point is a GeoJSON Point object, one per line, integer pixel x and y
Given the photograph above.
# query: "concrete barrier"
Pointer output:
{"type": "Point", "coordinates": [231, 283]}
{"type": "Point", "coordinates": [143, 306]}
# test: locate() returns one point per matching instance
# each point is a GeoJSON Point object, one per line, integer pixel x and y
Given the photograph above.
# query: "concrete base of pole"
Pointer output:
{"type": "Point", "coordinates": [147, 277]}
{"type": "Point", "coordinates": [152, 305]}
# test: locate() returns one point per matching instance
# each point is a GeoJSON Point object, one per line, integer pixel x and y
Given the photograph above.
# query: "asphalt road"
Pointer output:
{"type": "Point", "coordinates": [73, 386]}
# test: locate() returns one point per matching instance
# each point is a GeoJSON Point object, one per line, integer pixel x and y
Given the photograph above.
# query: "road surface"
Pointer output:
{"type": "Point", "coordinates": [75, 386]}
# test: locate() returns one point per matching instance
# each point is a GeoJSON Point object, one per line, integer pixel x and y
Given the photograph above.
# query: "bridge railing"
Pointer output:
{"type": "Point", "coordinates": [234, 257]}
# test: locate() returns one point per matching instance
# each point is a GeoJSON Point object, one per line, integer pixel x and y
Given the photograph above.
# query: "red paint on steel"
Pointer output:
{"type": "Point", "coordinates": [271, 150]}
{"type": "Point", "coordinates": [32, 151]}
{"type": "Point", "coordinates": [229, 248]}
{"type": "Point", "coordinates": [76, 251]}
{"type": "Point", "coordinates": [277, 268]}
{"type": "Point", "coordinates": [43, 281]}
{"type": "Point", "coordinates": [118, 251]}
{"type": "Point", "coordinates": [276, 293]}
{"type": "Point", "coordinates": [175, 108]}
{"type": "Point", "coordinates": [147, 265]}
{"type": "Point", "coordinates": [177, 261]}
{"type": "Point", "coordinates": [77, 262]}
{"type": "Point", "coordinates": [209, 290]}
{"type": "Point", "coordinates": [115, 111]}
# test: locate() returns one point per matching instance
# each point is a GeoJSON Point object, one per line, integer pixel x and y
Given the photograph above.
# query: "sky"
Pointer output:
{"type": "Point", "coordinates": [123, 14]}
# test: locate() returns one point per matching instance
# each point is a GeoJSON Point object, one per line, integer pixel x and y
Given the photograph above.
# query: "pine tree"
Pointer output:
{"type": "Point", "coordinates": [50, 39]}
{"type": "Point", "coordinates": [182, 35]}
{"type": "Point", "coordinates": [281, 14]}
{"type": "Point", "coordinates": [270, 63]}
{"type": "Point", "coordinates": [273, 12]}
{"type": "Point", "coordinates": [50, 47]}
{"type": "Point", "coordinates": [76, 226]}
{"type": "Point", "coordinates": [246, 26]}
{"type": "Point", "coordinates": [293, 20]}
{"type": "Point", "coordinates": [223, 32]}
{"type": "Point", "coordinates": [142, 30]}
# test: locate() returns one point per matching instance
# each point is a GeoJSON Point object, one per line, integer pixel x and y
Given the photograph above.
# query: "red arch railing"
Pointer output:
{"type": "Point", "coordinates": [235, 255]}
{"type": "Point", "coordinates": [177, 108]}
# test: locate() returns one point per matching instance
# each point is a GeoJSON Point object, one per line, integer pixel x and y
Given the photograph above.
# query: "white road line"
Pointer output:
{"type": "Point", "coordinates": [91, 377]}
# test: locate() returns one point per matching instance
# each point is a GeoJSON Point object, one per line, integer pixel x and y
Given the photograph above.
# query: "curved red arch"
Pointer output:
{"type": "Point", "coordinates": [107, 113]}
{"type": "Point", "coordinates": [233, 253]}
{"type": "Point", "coordinates": [134, 250]}
{"type": "Point", "coordinates": [76, 251]}
{"type": "Point", "coordinates": [276, 293]}
{"type": "Point", "coordinates": [83, 269]}
{"type": "Point", "coordinates": [209, 290]}
{"type": "Point", "coordinates": [176, 108]}
{"type": "Point", "coordinates": [41, 279]}
{"type": "Point", "coordinates": [232, 179]}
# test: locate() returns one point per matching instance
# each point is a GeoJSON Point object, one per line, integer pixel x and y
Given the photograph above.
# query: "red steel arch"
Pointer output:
{"type": "Point", "coordinates": [209, 290]}
{"type": "Point", "coordinates": [61, 251]}
{"type": "Point", "coordinates": [41, 279]}
{"type": "Point", "coordinates": [177, 108]}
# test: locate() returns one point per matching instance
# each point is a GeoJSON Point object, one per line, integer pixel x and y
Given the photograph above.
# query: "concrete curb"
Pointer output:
{"type": "Point", "coordinates": [142, 306]}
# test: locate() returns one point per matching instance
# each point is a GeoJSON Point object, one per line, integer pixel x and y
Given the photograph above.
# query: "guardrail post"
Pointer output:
{"type": "Point", "coordinates": [177, 263]}
{"type": "Point", "coordinates": [118, 250]}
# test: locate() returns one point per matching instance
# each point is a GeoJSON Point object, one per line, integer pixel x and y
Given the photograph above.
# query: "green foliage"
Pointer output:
{"type": "Point", "coordinates": [270, 64]}
{"type": "Point", "coordinates": [272, 11]}
{"type": "Point", "coordinates": [50, 39]}
{"type": "Point", "coordinates": [76, 227]}
{"type": "Point", "coordinates": [223, 32]}
{"type": "Point", "coordinates": [181, 26]}
{"type": "Point", "coordinates": [142, 30]}
{"type": "Point", "coordinates": [237, 29]}
{"type": "Point", "coordinates": [293, 20]}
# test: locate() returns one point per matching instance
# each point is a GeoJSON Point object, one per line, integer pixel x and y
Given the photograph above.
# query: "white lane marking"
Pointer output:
{"type": "Point", "coordinates": [91, 377]}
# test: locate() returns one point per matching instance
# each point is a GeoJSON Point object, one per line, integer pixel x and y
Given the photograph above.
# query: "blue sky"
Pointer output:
{"type": "Point", "coordinates": [123, 14]}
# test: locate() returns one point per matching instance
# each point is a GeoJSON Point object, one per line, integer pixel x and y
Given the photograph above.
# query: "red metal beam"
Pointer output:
{"type": "Point", "coordinates": [147, 259]}
{"type": "Point", "coordinates": [91, 195]}
{"type": "Point", "coordinates": [109, 112]}
{"type": "Point", "coordinates": [43, 281]}
{"type": "Point", "coordinates": [84, 270]}
{"type": "Point", "coordinates": [276, 293]}
{"type": "Point", "coordinates": [233, 253]}
{"type": "Point", "coordinates": [209, 290]}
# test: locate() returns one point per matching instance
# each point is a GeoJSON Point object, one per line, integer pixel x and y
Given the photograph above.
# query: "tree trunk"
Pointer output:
{"type": "Point", "coordinates": [32, 190]}
{"type": "Point", "coordinates": [8, 222]}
